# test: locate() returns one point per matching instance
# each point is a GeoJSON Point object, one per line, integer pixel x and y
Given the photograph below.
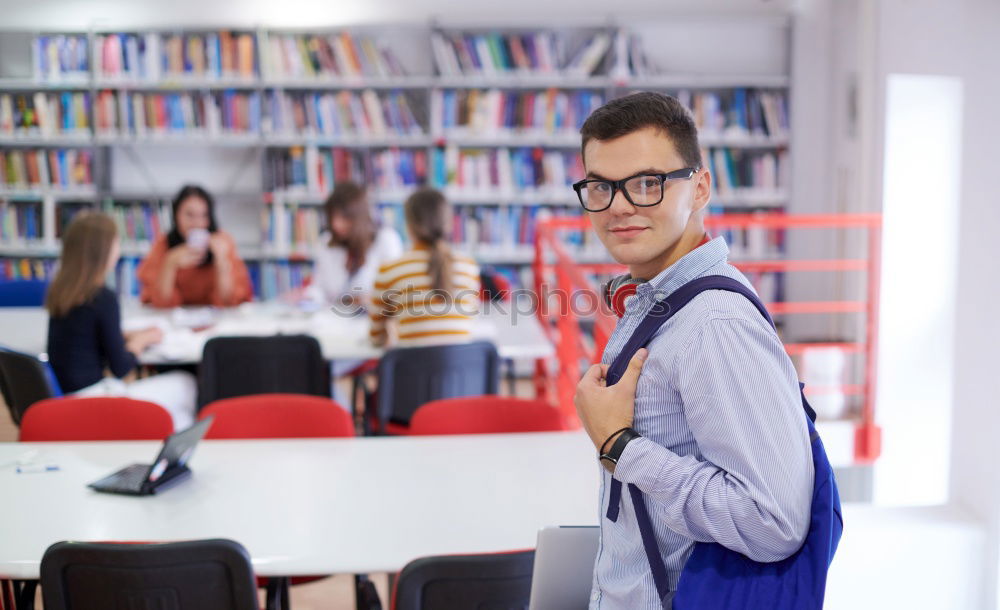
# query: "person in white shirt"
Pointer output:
{"type": "Point", "coordinates": [346, 260]}
{"type": "Point", "coordinates": [352, 249]}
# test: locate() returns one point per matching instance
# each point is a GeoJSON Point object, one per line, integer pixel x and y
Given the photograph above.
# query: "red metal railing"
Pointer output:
{"type": "Point", "coordinates": [555, 267]}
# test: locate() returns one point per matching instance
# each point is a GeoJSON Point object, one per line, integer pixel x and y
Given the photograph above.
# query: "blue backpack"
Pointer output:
{"type": "Point", "coordinates": [716, 577]}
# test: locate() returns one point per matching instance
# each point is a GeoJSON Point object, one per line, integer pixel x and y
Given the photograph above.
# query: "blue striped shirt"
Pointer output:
{"type": "Point", "coordinates": [724, 455]}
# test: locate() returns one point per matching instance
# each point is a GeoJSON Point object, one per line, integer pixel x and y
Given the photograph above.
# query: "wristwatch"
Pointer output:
{"type": "Point", "coordinates": [615, 452]}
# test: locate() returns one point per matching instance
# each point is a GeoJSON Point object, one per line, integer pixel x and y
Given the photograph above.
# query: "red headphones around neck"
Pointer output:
{"type": "Point", "coordinates": [619, 289]}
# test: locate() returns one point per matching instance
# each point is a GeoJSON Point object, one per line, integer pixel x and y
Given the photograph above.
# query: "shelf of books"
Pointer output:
{"type": "Point", "coordinates": [490, 116]}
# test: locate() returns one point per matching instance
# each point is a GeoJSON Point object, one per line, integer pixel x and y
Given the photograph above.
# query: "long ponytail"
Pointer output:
{"type": "Point", "coordinates": [427, 213]}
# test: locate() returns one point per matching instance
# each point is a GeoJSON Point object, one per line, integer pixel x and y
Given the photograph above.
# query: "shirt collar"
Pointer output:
{"type": "Point", "coordinates": [690, 266]}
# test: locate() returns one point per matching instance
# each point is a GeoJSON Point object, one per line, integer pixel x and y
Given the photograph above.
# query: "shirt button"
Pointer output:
{"type": "Point", "coordinates": [596, 595]}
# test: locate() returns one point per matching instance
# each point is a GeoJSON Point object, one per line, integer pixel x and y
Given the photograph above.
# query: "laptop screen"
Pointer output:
{"type": "Point", "coordinates": [177, 449]}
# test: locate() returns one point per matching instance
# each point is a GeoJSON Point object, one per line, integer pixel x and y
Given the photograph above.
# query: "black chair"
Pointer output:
{"type": "Point", "coordinates": [23, 382]}
{"type": "Point", "coordinates": [194, 575]}
{"type": "Point", "coordinates": [241, 366]}
{"type": "Point", "coordinates": [409, 377]}
{"type": "Point", "coordinates": [496, 581]}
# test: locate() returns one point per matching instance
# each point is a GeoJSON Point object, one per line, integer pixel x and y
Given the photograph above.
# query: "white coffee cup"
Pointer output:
{"type": "Point", "coordinates": [198, 239]}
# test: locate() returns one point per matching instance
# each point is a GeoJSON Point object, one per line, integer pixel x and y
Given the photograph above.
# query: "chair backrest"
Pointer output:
{"type": "Point", "coordinates": [23, 293]}
{"type": "Point", "coordinates": [411, 376]}
{"type": "Point", "coordinates": [192, 575]}
{"type": "Point", "coordinates": [493, 286]}
{"type": "Point", "coordinates": [277, 416]}
{"type": "Point", "coordinates": [23, 382]}
{"type": "Point", "coordinates": [499, 580]}
{"type": "Point", "coordinates": [241, 366]}
{"type": "Point", "coordinates": [97, 418]}
{"type": "Point", "coordinates": [485, 415]}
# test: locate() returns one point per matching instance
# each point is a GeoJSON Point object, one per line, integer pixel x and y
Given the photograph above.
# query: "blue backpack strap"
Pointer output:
{"type": "Point", "coordinates": [661, 312]}
{"type": "Point", "coordinates": [658, 314]}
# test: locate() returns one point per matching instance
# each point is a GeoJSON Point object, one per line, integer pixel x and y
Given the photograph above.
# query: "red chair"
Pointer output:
{"type": "Point", "coordinates": [277, 416]}
{"type": "Point", "coordinates": [99, 418]}
{"type": "Point", "coordinates": [485, 415]}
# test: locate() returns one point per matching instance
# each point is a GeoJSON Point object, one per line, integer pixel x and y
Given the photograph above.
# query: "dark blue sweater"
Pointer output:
{"type": "Point", "coordinates": [88, 340]}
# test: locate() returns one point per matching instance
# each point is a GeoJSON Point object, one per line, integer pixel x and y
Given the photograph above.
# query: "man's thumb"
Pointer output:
{"type": "Point", "coordinates": [630, 378]}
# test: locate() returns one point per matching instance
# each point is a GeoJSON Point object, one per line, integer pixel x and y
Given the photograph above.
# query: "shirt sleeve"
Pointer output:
{"type": "Point", "coordinates": [386, 248]}
{"type": "Point", "coordinates": [752, 489]}
{"type": "Point", "coordinates": [329, 277]}
{"type": "Point", "coordinates": [148, 273]}
{"type": "Point", "coordinates": [392, 245]}
{"type": "Point", "coordinates": [468, 284]}
{"type": "Point", "coordinates": [112, 342]}
{"type": "Point", "coordinates": [383, 304]}
{"type": "Point", "coordinates": [242, 287]}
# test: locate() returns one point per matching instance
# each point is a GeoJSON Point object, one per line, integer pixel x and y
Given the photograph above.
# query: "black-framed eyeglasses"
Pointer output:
{"type": "Point", "coordinates": [641, 190]}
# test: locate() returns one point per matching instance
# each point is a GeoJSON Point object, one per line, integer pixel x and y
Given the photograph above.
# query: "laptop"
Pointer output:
{"type": "Point", "coordinates": [564, 568]}
{"type": "Point", "coordinates": [169, 468]}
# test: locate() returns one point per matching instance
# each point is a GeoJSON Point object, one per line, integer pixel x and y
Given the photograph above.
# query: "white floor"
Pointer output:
{"type": "Point", "coordinates": [908, 559]}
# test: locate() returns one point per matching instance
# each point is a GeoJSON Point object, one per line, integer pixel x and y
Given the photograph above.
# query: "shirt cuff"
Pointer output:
{"type": "Point", "coordinates": [641, 463]}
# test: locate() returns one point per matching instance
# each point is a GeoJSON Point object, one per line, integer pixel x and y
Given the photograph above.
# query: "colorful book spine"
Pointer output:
{"type": "Point", "coordinates": [47, 168]}
{"type": "Point", "coordinates": [317, 170]}
{"type": "Point", "coordinates": [524, 171]}
{"type": "Point", "coordinates": [334, 56]}
{"type": "Point", "coordinates": [127, 57]}
{"type": "Point", "coordinates": [140, 222]}
{"type": "Point", "coordinates": [12, 269]}
{"type": "Point", "coordinates": [202, 113]}
{"type": "Point", "coordinates": [738, 112]}
{"type": "Point", "coordinates": [741, 173]}
{"type": "Point", "coordinates": [272, 279]}
{"type": "Point", "coordinates": [341, 115]}
{"type": "Point", "coordinates": [44, 114]}
{"type": "Point", "coordinates": [211, 56]}
{"type": "Point", "coordinates": [61, 57]}
{"type": "Point", "coordinates": [528, 53]}
{"type": "Point", "coordinates": [508, 230]}
{"type": "Point", "coordinates": [493, 111]}
{"type": "Point", "coordinates": [20, 221]}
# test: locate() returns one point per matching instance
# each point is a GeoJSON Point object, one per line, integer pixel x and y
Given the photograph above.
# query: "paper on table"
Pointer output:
{"type": "Point", "coordinates": [192, 317]}
{"type": "Point", "coordinates": [178, 344]}
{"type": "Point", "coordinates": [143, 322]}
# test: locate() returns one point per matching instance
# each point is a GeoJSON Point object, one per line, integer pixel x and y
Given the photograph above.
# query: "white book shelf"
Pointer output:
{"type": "Point", "coordinates": [132, 166]}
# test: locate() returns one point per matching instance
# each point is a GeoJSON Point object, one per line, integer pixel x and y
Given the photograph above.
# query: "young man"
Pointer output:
{"type": "Point", "coordinates": [722, 452]}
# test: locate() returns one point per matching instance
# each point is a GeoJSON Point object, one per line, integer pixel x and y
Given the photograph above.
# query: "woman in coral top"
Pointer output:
{"type": "Point", "coordinates": [196, 262]}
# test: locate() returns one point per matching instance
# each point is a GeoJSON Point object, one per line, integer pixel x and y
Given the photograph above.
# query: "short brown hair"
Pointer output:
{"type": "Point", "coordinates": [84, 258]}
{"type": "Point", "coordinates": [629, 114]}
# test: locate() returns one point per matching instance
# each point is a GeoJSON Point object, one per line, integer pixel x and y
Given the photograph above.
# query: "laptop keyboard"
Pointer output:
{"type": "Point", "coordinates": [128, 479]}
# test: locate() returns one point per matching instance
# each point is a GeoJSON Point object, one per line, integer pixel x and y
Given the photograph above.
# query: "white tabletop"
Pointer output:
{"type": "Point", "coordinates": [517, 335]}
{"type": "Point", "coordinates": [309, 506]}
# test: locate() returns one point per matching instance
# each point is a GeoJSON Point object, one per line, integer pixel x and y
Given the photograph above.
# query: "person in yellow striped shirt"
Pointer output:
{"type": "Point", "coordinates": [430, 294]}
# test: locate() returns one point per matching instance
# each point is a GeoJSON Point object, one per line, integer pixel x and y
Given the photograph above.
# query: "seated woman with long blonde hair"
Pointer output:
{"type": "Point", "coordinates": [85, 336]}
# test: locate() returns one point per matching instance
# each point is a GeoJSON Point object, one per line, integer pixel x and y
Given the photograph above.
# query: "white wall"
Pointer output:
{"type": "Point", "coordinates": [917, 296]}
{"type": "Point", "coordinates": [918, 37]}
{"type": "Point", "coordinates": [958, 38]}
{"type": "Point", "coordinates": [976, 423]}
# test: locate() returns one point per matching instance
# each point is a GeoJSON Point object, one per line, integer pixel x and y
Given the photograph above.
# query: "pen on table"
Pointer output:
{"type": "Point", "coordinates": [33, 468]}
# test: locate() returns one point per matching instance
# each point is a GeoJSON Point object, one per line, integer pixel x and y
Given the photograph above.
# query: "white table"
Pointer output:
{"type": "Point", "coordinates": [300, 507]}
{"type": "Point", "coordinates": [517, 335]}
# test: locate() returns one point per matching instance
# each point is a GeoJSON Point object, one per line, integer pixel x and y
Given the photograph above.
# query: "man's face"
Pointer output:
{"type": "Point", "coordinates": [644, 237]}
